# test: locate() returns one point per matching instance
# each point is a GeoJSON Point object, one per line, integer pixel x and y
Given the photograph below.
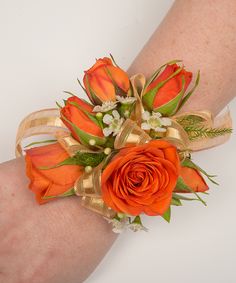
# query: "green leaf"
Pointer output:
{"type": "Point", "coordinates": [68, 92]}
{"type": "Point", "coordinates": [171, 107]}
{"type": "Point", "coordinates": [176, 201]}
{"type": "Point", "coordinates": [181, 197]}
{"type": "Point", "coordinates": [90, 159]}
{"type": "Point", "coordinates": [70, 192]}
{"type": "Point", "coordinates": [167, 215]}
{"type": "Point", "coordinates": [68, 161]}
{"type": "Point", "coordinates": [188, 95]}
{"type": "Point", "coordinates": [190, 120]}
{"type": "Point", "coordinates": [113, 60]}
{"type": "Point", "coordinates": [80, 159]}
{"type": "Point", "coordinates": [110, 142]}
{"type": "Point", "coordinates": [181, 186]}
{"type": "Point", "coordinates": [40, 142]}
{"type": "Point", "coordinates": [189, 163]}
{"type": "Point", "coordinates": [85, 137]}
{"type": "Point", "coordinates": [58, 105]}
{"type": "Point", "coordinates": [83, 88]}
{"type": "Point", "coordinates": [149, 97]}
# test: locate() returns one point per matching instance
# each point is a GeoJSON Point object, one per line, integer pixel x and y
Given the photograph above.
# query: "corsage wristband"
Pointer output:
{"type": "Point", "coordinates": [128, 151]}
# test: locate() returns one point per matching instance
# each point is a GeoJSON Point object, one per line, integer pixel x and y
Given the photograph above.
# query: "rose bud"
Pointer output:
{"type": "Point", "coordinates": [50, 183]}
{"type": "Point", "coordinates": [165, 93]}
{"type": "Point", "coordinates": [103, 81]}
{"type": "Point", "coordinates": [193, 179]}
{"type": "Point", "coordinates": [77, 115]}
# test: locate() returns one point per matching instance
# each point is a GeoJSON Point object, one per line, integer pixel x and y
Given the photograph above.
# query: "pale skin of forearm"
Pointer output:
{"type": "Point", "coordinates": [63, 242]}
{"type": "Point", "coordinates": [202, 34]}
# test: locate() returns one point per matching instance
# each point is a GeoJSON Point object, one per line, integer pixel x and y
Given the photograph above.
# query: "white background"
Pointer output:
{"type": "Point", "coordinates": [44, 47]}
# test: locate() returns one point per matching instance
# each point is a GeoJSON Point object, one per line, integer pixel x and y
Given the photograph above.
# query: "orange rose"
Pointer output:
{"type": "Point", "coordinates": [77, 115]}
{"type": "Point", "coordinates": [193, 179]}
{"type": "Point", "coordinates": [103, 81]}
{"type": "Point", "coordinates": [50, 182]}
{"type": "Point", "coordinates": [141, 178]}
{"type": "Point", "coordinates": [162, 97]}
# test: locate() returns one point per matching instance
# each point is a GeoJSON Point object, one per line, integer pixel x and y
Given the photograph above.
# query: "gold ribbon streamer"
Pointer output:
{"type": "Point", "coordinates": [176, 135]}
{"type": "Point", "coordinates": [97, 205]}
{"type": "Point", "coordinates": [90, 183]}
{"type": "Point", "coordinates": [222, 121]}
{"type": "Point", "coordinates": [41, 122]}
{"type": "Point", "coordinates": [70, 145]}
{"type": "Point", "coordinates": [138, 83]}
{"type": "Point", "coordinates": [88, 186]}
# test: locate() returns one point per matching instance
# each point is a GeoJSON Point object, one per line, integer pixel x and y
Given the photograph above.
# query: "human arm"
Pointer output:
{"type": "Point", "coordinates": [202, 34]}
{"type": "Point", "coordinates": [44, 242]}
{"type": "Point", "coordinates": [57, 242]}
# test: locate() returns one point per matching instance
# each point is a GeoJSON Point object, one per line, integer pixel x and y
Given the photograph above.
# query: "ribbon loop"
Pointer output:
{"type": "Point", "coordinates": [43, 122]}
{"type": "Point", "coordinates": [89, 184]}
{"type": "Point", "coordinates": [97, 205]}
{"type": "Point", "coordinates": [138, 83]}
{"type": "Point", "coordinates": [176, 135]}
{"type": "Point", "coordinates": [70, 145]}
{"type": "Point", "coordinates": [130, 135]}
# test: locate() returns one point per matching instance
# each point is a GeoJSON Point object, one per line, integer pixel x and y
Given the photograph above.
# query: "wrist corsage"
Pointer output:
{"type": "Point", "coordinates": [127, 152]}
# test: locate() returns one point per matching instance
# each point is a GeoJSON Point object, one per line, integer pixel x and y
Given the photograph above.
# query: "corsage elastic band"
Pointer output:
{"type": "Point", "coordinates": [127, 152]}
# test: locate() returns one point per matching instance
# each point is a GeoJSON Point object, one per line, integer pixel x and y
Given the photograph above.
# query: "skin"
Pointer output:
{"type": "Point", "coordinates": [202, 34]}
{"type": "Point", "coordinates": [62, 241]}
{"type": "Point", "coordinates": [57, 242]}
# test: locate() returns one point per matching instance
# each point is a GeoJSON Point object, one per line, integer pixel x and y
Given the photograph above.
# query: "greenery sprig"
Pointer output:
{"type": "Point", "coordinates": [195, 128]}
{"type": "Point", "coordinates": [82, 159]}
{"type": "Point", "coordinates": [204, 132]}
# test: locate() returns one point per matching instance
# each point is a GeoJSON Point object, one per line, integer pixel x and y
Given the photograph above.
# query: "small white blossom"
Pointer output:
{"type": "Point", "coordinates": [137, 227]}
{"type": "Point", "coordinates": [154, 122]}
{"type": "Point", "coordinates": [118, 225]}
{"type": "Point", "coordinates": [126, 99]}
{"type": "Point", "coordinates": [106, 106]}
{"type": "Point", "coordinates": [114, 123]}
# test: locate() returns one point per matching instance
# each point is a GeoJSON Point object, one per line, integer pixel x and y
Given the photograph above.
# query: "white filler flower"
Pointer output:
{"type": "Point", "coordinates": [106, 106]}
{"type": "Point", "coordinates": [118, 226]}
{"type": "Point", "coordinates": [126, 100]}
{"type": "Point", "coordinates": [114, 123]}
{"type": "Point", "coordinates": [137, 227]}
{"type": "Point", "coordinates": [154, 122]}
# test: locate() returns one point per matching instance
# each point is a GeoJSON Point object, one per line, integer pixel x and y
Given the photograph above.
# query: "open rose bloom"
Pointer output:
{"type": "Point", "coordinates": [119, 149]}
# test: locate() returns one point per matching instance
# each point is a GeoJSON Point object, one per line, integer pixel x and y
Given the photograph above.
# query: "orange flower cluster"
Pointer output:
{"type": "Point", "coordinates": [138, 179]}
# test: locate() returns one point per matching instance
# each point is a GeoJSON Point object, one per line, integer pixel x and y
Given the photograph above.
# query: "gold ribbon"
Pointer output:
{"type": "Point", "coordinates": [138, 84]}
{"type": "Point", "coordinates": [130, 135]}
{"type": "Point", "coordinates": [88, 186]}
{"type": "Point", "coordinates": [70, 145]}
{"type": "Point", "coordinates": [43, 122]}
{"type": "Point", "coordinates": [97, 205]}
